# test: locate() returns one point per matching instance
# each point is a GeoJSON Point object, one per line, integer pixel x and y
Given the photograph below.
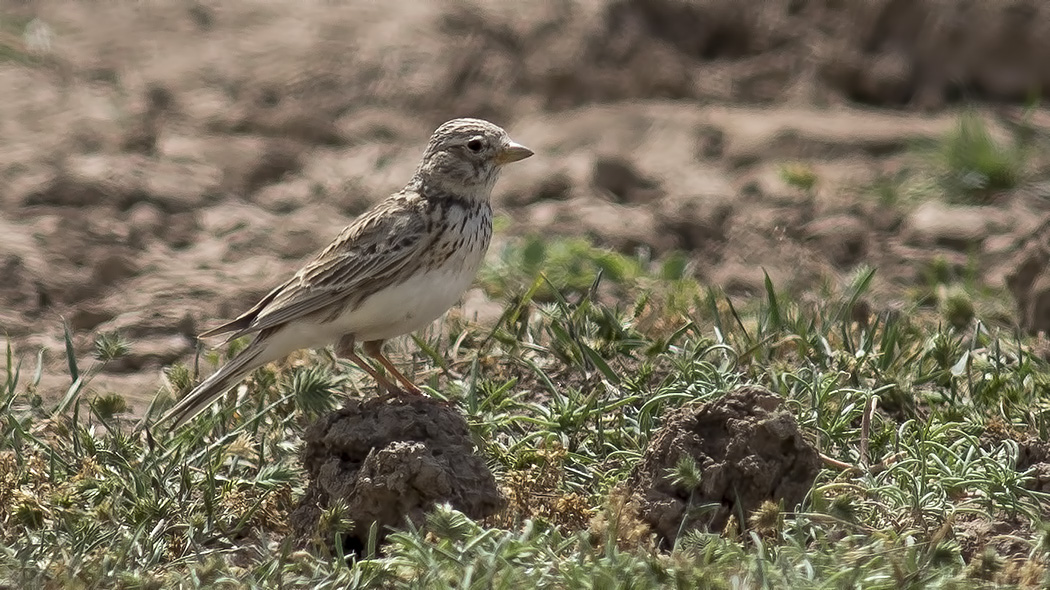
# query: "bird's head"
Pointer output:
{"type": "Point", "coordinates": [464, 158]}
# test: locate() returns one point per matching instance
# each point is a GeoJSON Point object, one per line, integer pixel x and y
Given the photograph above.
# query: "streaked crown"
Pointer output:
{"type": "Point", "coordinates": [464, 157]}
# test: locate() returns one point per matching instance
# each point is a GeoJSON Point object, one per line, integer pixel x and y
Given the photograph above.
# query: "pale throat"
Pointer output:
{"type": "Point", "coordinates": [474, 189]}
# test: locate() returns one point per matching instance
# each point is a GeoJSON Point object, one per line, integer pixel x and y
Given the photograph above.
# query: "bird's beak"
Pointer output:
{"type": "Point", "coordinates": [512, 152]}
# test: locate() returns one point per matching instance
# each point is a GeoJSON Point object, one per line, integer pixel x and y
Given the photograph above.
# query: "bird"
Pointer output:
{"type": "Point", "coordinates": [395, 269]}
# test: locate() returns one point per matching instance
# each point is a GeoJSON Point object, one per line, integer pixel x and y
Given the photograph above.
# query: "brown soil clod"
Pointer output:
{"type": "Point", "coordinates": [619, 179]}
{"type": "Point", "coordinates": [1032, 453]}
{"type": "Point", "coordinates": [1029, 281]}
{"type": "Point", "coordinates": [389, 463]}
{"type": "Point", "coordinates": [748, 451]}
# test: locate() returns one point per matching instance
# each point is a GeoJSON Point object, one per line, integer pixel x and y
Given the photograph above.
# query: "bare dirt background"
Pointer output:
{"type": "Point", "coordinates": [164, 163]}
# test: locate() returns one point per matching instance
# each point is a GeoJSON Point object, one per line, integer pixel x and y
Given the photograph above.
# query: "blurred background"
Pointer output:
{"type": "Point", "coordinates": [165, 163]}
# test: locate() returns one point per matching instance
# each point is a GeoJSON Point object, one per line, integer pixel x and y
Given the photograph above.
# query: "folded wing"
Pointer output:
{"type": "Point", "coordinates": [368, 255]}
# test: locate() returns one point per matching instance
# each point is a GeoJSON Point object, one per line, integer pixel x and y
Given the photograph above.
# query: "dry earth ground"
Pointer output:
{"type": "Point", "coordinates": [164, 163]}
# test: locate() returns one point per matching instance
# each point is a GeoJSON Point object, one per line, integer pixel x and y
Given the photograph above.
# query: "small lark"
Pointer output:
{"type": "Point", "coordinates": [394, 270]}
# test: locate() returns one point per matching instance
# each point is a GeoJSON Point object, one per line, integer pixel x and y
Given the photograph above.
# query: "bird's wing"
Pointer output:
{"type": "Point", "coordinates": [366, 257]}
{"type": "Point", "coordinates": [245, 319]}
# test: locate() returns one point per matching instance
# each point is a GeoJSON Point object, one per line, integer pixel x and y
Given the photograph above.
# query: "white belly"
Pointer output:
{"type": "Point", "coordinates": [396, 311]}
{"type": "Point", "coordinates": [408, 307]}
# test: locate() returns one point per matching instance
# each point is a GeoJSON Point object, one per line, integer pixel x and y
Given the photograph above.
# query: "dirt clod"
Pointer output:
{"type": "Point", "coordinates": [1029, 280]}
{"type": "Point", "coordinates": [975, 533]}
{"type": "Point", "coordinates": [844, 238]}
{"type": "Point", "coordinates": [952, 227]}
{"type": "Point", "coordinates": [697, 224]}
{"type": "Point", "coordinates": [747, 452]}
{"type": "Point", "coordinates": [392, 461]}
{"type": "Point", "coordinates": [619, 179]}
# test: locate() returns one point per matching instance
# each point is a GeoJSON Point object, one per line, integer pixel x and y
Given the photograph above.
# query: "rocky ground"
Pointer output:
{"type": "Point", "coordinates": [165, 163]}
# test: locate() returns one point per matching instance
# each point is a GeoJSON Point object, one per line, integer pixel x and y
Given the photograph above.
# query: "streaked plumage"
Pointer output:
{"type": "Point", "coordinates": [394, 270]}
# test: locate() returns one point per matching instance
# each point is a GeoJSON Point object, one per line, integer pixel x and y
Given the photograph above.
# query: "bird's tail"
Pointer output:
{"type": "Point", "coordinates": [220, 382]}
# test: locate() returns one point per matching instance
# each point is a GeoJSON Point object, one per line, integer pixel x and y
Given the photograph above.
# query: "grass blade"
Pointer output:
{"type": "Point", "coordinates": [602, 366]}
{"type": "Point", "coordinates": [776, 319]}
{"type": "Point", "coordinates": [70, 397]}
{"type": "Point", "coordinates": [71, 356]}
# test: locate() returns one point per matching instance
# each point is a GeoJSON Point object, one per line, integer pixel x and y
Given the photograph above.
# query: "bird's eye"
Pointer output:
{"type": "Point", "coordinates": [474, 145]}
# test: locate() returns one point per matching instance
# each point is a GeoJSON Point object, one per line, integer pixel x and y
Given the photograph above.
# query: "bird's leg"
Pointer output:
{"type": "Point", "coordinates": [345, 349]}
{"type": "Point", "coordinates": [374, 349]}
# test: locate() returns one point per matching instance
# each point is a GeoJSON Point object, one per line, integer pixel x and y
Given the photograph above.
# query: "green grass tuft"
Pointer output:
{"type": "Point", "coordinates": [976, 165]}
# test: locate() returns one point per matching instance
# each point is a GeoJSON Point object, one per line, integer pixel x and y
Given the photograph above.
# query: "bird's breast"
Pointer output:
{"type": "Point", "coordinates": [444, 272]}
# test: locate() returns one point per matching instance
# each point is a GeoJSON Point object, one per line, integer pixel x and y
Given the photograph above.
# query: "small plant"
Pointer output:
{"type": "Point", "coordinates": [799, 175]}
{"type": "Point", "coordinates": [179, 378]}
{"type": "Point", "coordinates": [109, 405]}
{"type": "Point", "coordinates": [313, 388]}
{"type": "Point", "coordinates": [905, 186]}
{"type": "Point", "coordinates": [888, 189]}
{"type": "Point", "coordinates": [111, 346]}
{"type": "Point", "coordinates": [685, 474]}
{"type": "Point", "coordinates": [956, 306]}
{"type": "Point", "coordinates": [976, 165]}
{"type": "Point", "coordinates": [569, 263]}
